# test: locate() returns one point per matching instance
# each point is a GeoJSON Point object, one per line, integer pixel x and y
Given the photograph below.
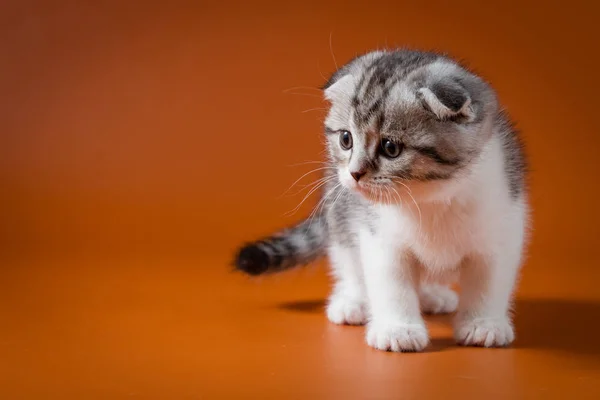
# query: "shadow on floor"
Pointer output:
{"type": "Point", "coordinates": [561, 325]}
{"type": "Point", "coordinates": [565, 325]}
{"type": "Point", "coordinates": [305, 306]}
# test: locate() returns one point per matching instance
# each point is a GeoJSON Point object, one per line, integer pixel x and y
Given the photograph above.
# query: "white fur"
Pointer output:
{"type": "Point", "coordinates": [469, 225]}
{"type": "Point", "coordinates": [348, 302]}
{"type": "Point", "coordinates": [340, 89]}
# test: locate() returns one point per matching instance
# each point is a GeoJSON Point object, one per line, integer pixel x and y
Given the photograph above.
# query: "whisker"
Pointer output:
{"type": "Point", "coordinates": [300, 88]}
{"type": "Point", "coordinates": [416, 205]}
{"type": "Point", "coordinates": [342, 192]}
{"type": "Point", "coordinates": [318, 181]}
{"type": "Point", "coordinates": [304, 94]}
{"type": "Point", "coordinates": [299, 179]}
{"type": "Point", "coordinates": [324, 178]}
{"type": "Point", "coordinates": [320, 204]}
{"type": "Point", "coordinates": [407, 188]}
{"type": "Point", "coordinates": [323, 200]}
{"type": "Point", "coordinates": [398, 195]}
{"type": "Point", "coordinates": [314, 109]}
{"type": "Point", "coordinates": [311, 191]}
{"type": "Point", "coordinates": [331, 50]}
{"type": "Point", "coordinates": [320, 73]}
{"type": "Point", "coordinates": [308, 162]}
{"type": "Point", "coordinates": [388, 195]}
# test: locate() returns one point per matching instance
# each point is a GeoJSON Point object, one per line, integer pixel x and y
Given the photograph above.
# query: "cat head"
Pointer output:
{"type": "Point", "coordinates": [405, 121]}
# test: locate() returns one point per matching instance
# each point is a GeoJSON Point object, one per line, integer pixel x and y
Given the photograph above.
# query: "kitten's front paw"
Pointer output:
{"type": "Point", "coordinates": [343, 310]}
{"type": "Point", "coordinates": [397, 337]}
{"type": "Point", "coordinates": [496, 332]}
{"type": "Point", "coordinates": [437, 299]}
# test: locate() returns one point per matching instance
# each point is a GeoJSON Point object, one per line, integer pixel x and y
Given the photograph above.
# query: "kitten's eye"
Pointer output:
{"type": "Point", "coordinates": [346, 140]}
{"type": "Point", "coordinates": [390, 149]}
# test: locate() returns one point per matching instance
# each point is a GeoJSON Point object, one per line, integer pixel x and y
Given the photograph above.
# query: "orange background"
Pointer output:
{"type": "Point", "coordinates": [141, 142]}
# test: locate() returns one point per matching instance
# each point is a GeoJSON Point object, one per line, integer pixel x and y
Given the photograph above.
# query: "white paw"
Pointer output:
{"type": "Point", "coordinates": [397, 337]}
{"type": "Point", "coordinates": [437, 299]}
{"type": "Point", "coordinates": [497, 332]}
{"type": "Point", "coordinates": [344, 310]}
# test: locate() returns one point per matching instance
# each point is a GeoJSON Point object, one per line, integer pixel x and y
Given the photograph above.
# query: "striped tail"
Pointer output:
{"type": "Point", "coordinates": [295, 246]}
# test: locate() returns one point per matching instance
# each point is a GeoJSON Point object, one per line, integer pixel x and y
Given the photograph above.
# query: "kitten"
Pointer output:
{"type": "Point", "coordinates": [426, 179]}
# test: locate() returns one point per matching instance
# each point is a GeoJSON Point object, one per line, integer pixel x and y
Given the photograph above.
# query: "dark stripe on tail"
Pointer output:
{"type": "Point", "coordinates": [295, 246]}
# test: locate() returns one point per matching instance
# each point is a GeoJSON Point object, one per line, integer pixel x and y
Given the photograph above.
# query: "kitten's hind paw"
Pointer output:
{"type": "Point", "coordinates": [496, 332]}
{"type": "Point", "coordinates": [437, 299]}
{"type": "Point", "coordinates": [343, 310]}
{"type": "Point", "coordinates": [397, 337]}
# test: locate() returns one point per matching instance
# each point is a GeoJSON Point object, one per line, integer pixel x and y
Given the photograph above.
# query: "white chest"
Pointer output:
{"type": "Point", "coordinates": [439, 237]}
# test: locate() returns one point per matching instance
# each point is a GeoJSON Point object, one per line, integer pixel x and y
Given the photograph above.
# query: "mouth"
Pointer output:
{"type": "Point", "coordinates": [364, 188]}
{"type": "Point", "coordinates": [372, 192]}
{"type": "Point", "coordinates": [375, 191]}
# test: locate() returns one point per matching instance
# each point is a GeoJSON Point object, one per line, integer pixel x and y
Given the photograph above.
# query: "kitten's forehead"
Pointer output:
{"type": "Point", "coordinates": [384, 108]}
{"type": "Point", "coordinates": [380, 86]}
{"type": "Point", "coordinates": [397, 107]}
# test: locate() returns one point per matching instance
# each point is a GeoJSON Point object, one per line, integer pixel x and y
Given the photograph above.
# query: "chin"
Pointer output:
{"type": "Point", "coordinates": [375, 194]}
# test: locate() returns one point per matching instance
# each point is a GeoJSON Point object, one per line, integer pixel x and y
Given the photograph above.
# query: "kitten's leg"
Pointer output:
{"type": "Point", "coordinates": [483, 314]}
{"type": "Point", "coordinates": [437, 299]}
{"type": "Point", "coordinates": [348, 302]}
{"type": "Point", "coordinates": [392, 281]}
{"type": "Point", "coordinates": [435, 295]}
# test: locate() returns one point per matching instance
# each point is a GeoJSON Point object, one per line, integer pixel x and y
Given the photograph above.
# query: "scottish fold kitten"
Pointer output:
{"type": "Point", "coordinates": [425, 181]}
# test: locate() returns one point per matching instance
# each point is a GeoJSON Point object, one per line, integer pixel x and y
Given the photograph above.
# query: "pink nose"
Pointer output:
{"type": "Point", "coordinates": [357, 175]}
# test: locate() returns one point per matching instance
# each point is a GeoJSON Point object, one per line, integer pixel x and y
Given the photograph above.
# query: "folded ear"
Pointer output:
{"type": "Point", "coordinates": [447, 99]}
{"type": "Point", "coordinates": [341, 88]}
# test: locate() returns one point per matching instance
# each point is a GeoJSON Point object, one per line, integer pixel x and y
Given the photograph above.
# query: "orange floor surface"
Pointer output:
{"type": "Point", "coordinates": [141, 142]}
